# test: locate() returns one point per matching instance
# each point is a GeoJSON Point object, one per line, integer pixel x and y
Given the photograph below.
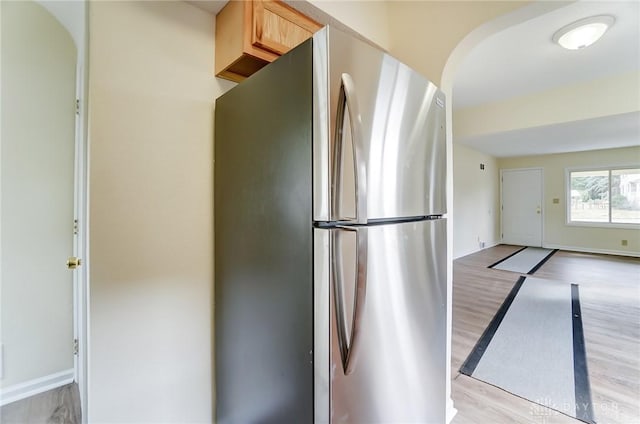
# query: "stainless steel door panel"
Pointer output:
{"type": "Point", "coordinates": [403, 131]}
{"type": "Point", "coordinates": [400, 373]}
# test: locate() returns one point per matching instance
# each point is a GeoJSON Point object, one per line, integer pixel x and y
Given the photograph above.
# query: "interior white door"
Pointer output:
{"type": "Point", "coordinates": [39, 60]}
{"type": "Point", "coordinates": [522, 207]}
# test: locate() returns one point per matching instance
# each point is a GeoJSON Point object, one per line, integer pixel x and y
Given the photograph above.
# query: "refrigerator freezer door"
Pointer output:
{"type": "Point", "coordinates": [399, 128]}
{"type": "Point", "coordinates": [399, 373]}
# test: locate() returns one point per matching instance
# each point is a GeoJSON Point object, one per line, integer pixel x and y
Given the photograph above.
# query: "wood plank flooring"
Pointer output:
{"type": "Point", "coordinates": [610, 299]}
{"type": "Point", "coordinates": [57, 406]}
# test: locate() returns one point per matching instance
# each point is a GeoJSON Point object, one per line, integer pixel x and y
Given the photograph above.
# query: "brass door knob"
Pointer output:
{"type": "Point", "coordinates": [73, 262]}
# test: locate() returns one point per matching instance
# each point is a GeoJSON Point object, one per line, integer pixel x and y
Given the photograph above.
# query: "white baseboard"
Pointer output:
{"type": "Point", "coordinates": [486, 246]}
{"type": "Point", "coordinates": [491, 244]}
{"type": "Point", "coordinates": [33, 387]}
{"type": "Point", "coordinates": [590, 250]}
{"type": "Point", "coordinates": [451, 410]}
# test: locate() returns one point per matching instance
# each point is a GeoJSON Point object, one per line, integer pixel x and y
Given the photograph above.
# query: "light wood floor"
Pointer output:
{"type": "Point", "coordinates": [610, 300]}
{"type": "Point", "coordinates": [57, 406]}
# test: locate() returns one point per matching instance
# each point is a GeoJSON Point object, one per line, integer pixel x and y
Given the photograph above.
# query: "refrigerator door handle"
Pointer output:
{"type": "Point", "coordinates": [347, 99]}
{"type": "Point", "coordinates": [349, 350]}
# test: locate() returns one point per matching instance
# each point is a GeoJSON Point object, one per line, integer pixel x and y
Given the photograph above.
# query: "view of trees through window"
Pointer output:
{"type": "Point", "coordinates": [609, 195]}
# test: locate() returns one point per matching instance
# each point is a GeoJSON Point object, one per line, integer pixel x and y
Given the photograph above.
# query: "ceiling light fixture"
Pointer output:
{"type": "Point", "coordinates": [584, 32]}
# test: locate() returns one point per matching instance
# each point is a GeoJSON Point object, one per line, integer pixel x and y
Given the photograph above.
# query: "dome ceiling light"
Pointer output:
{"type": "Point", "coordinates": [584, 32]}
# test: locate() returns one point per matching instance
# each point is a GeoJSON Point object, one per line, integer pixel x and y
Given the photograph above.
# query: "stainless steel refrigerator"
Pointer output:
{"type": "Point", "coordinates": [330, 241]}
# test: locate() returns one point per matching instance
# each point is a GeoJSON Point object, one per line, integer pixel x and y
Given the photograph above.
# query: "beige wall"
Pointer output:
{"type": "Point", "coordinates": [38, 124]}
{"type": "Point", "coordinates": [152, 95]}
{"type": "Point", "coordinates": [615, 95]}
{"type": "Point", "coordinates": [476, 195]}
{"type": "Point", "coordinates": [557, 233]}
{"type": "Point", "coordinates": [368, 18]}
{"type": "Point", "coordinates": [424, 33]}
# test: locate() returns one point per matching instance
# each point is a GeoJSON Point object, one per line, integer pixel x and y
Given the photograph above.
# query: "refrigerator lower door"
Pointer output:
{"type": "Point", "coordinates": [398, 372]}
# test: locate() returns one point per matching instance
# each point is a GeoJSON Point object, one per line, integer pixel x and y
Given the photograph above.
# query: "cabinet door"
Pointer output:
{"type": "Point", "coordinates": [252, 33]}
{"type": "Point", "coordinates": [278, 28]}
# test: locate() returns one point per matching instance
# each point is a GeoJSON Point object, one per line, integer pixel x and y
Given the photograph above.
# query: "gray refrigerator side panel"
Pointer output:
{"type": "Point", "coordinates": [263, 246]}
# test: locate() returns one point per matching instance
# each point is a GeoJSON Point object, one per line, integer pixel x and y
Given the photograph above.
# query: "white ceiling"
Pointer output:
{"type": "Point", "coordinates": [71, 14]}
{"type": "Point", "coordinates": [523, 59]}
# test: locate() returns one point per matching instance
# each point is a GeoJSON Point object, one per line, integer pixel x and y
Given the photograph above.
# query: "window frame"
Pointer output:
{"type": "Point", "coordinates": [594, 224]}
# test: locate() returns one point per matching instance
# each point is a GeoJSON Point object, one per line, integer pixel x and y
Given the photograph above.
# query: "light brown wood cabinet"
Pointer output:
{"type": "Point", "coordinates": [251, 34]}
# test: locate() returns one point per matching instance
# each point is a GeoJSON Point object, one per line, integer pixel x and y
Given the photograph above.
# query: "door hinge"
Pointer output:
{"type": "Point", "coordinates": [77, 106]}
{"type": "Point", "coordinates": [75, 346]}
{"type": "Point", "coordinates": [75, 227]}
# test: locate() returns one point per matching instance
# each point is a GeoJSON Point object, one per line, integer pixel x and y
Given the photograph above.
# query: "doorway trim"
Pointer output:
{"type": "Point", "coordinates": [542, 197]}
{"type": "Point", "coordinates": [455, 59]}
{"type": "Point", "coordinates": [68, 19]}
{"type": "Point", "coordinates": [81, 210]}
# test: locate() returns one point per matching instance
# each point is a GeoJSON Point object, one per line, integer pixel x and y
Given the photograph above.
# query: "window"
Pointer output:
{"type": "Point", "coordinates": [608, 196]}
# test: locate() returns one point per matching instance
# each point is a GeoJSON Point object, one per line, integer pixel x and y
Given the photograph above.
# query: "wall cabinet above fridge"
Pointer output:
{"type": "Point", "coordinates": [251, 34]}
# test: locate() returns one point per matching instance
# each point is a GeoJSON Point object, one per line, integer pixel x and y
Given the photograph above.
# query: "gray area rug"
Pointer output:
{"type": "Point", "coordinates": [525, 261]}
{"type": "Point", "coordinates": [534, 348]}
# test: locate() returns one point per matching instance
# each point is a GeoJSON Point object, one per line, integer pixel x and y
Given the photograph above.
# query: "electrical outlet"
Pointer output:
{"type": "Point", "coordinates": [625, 242]}
{"type": "Point", "coordinates": [556, 200]}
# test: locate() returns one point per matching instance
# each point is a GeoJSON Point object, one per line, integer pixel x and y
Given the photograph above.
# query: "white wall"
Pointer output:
{"type": "Point", "coordinates": [476, 201]}
{"type": "Point", "coordinates": [557, 234]}
{"type": "Point", "coordinates": [38, 124]}
{"type": "Point", "coordinates": [152, 93]}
